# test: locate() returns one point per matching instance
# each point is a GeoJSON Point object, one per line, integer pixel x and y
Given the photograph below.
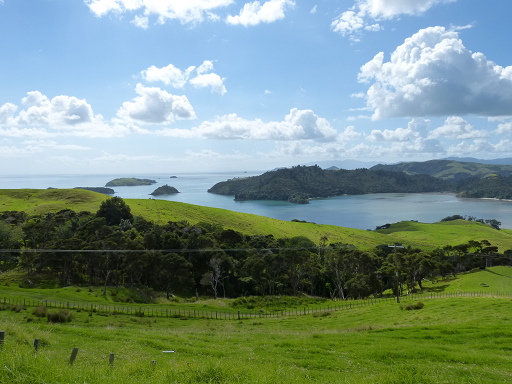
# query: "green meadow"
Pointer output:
{"type": "Point", "coordinates": [449, 340]}
{"type": "Point", "coordinates": [425, 236]}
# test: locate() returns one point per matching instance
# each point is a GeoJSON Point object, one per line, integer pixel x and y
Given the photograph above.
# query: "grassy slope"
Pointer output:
{"type": "Point", "coordinates": [463, 340]}
{"type": "Point", "coordinates": [448, 233]}
{"type": "Point", "coordinates": [409, 233]}
{"type": "Point", "coordinates": [489, 280]}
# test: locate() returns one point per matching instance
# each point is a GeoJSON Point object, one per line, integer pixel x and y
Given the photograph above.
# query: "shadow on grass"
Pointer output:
{"type": "Point", "coordinates": [496, 273]}
{"type": "Point", "coordinates": [438, 288]}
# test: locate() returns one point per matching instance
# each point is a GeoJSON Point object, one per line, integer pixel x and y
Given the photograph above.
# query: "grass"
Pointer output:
{"type": "Point", "coordinates": [425, 236]}
{"type": "Point", "coordinates": [463, 340]}
{"type": "Point", "coordinates": [478, 280]}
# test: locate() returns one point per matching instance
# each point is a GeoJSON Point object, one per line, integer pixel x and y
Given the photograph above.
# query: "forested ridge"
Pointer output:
{"type": "Point", "coordinates": [112, 248]}
{"type": "Point", "coordinates": [449, 170]}
{"type": "Point", "coordinates": [300, 183]}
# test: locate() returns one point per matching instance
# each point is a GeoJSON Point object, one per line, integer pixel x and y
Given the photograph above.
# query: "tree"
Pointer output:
{"type": "Point", "coordinates": [114, 209]}
{"type": "Point", "coordinates": [494, 223]}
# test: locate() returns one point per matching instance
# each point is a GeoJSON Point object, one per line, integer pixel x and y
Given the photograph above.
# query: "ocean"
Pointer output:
{"type": "Point", "coordinates": [362, 211]}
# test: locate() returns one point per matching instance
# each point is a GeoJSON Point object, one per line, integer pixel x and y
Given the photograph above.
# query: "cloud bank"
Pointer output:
{"type": "Point", "coordinates": [297, 125]}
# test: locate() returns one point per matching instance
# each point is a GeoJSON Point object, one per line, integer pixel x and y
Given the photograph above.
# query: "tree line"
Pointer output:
{"type": "Point", "coordinates": [113, 248]}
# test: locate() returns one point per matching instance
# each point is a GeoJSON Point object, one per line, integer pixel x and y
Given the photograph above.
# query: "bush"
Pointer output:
{"type": "Point", "coordinates": [413, 306]}
{"type": "Point", "coordinates": [321, 314]}
{"type": "Point", "coordinates": [40, 311]}
{"type": "Point", "coordinates": [18, 308]}
{"type": "Point", "coordinates": [63, 316]}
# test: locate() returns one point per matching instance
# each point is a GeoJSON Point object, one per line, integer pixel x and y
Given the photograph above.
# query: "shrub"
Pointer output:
{"type": "Point", "coordinates": [321, 314]}
{"type": "Point", "coordinates": [63, 316]}
{"type": "Point", "coordinates": [413, 306]}
{"type": "Point", "coordinates": [18, 308]}
{"type": "Point", "coordinates": [40, 311]}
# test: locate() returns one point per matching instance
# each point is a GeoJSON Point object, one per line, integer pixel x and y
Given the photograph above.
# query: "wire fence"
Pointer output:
{"type": "Point", "coordinates": [170, 312]}
{"type": "Point", "coordinates": [8, 340]}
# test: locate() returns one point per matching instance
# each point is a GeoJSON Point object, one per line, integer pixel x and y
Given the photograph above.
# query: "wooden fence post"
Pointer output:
{"type": "Point", "coordinates": [37, 342]}
{"type": "Point", "coordinates": [73, 356]}
{"type": "Point", "coordinates": [2, 337]}
{"type": "Point", "coordinates": [111, 359]}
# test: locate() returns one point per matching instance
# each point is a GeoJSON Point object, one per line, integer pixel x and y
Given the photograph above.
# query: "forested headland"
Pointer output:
{"type": "Point", "coordinates": [110, 247]}
{"type": "Point", "coordinates": [301, 183]}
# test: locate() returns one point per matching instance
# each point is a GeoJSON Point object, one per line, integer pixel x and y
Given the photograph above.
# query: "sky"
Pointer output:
{"type": "Point", "coordinates": [173, 86]}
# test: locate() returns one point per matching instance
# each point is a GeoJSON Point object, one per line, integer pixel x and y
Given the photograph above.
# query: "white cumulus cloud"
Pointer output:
{"type": "Point", "coordinates": [457, 128]}
{"type": "Point", "coordinates": [399, 134]}
{"type": "Point", "coordinates": [210, 80]}
{"type": "Point", "coordinates": [297, 125]}
{"type": "Point", "coordinates": [140, 21]}
{"type": "Point", "coordinates": [155, 106]}
{"type": "Point", "coordinates": [255, 13]}
{"type": "Point", "coordinates": [186, 11]}
{"type": "Point", "coordinates": [432, 73]}
{"type": "Point", "coordinates": [177, 78]}
{"type": "Point", "coordinates": [169, 75]}
{"type": "Point", "coordinates": [364, 13]}
{"type": "Point", "coordinates": [347, 23]}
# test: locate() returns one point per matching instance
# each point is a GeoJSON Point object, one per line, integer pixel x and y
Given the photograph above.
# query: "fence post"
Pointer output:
{"type": "Point", "coordinates": [37, 342]}
{"type": "Point", "coordinates": [111, 359]}
{"type": "Point", "coordinates": [2, 337]}
{"type": "Point", "coordinates": [73, 356]}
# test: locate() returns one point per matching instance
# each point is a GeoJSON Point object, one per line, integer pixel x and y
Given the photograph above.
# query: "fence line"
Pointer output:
{"type": "Point", "coordinates": [141, 311]}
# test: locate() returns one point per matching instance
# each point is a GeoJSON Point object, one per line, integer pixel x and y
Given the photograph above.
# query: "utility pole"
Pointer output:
{"type": "Point", "coordinates": [396, 271]}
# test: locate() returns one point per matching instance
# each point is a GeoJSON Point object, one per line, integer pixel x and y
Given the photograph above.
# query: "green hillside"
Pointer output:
{"type": "Point", "coordinates": [421, 235]}
{"type": "Point", "coordinates": [447, 169]}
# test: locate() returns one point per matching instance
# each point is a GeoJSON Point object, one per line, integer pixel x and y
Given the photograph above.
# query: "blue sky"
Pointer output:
{"type": "Point", "coordinates": [93, 86]}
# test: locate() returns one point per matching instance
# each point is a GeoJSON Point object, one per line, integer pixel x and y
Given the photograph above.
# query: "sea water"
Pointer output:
{"type": "Point", "coordinates": [361, 211]}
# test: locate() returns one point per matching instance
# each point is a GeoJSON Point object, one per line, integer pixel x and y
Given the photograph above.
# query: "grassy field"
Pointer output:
{"type": "Point", "coordinates": [426, 236]}
{"type": "Point", "coordinates": [449, 340]}
{"type": "Point", "coordinates": [463, 340]}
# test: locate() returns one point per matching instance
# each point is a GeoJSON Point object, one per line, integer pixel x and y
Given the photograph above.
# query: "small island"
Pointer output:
{"type": "Point", "coordinates": [105, 191]}
{"type": "Point", "coordinates": [129, 182]}
{"type": "Point", "coordinates": [173, 177]}
{"type": "Point", "coordinates": [164, 190]}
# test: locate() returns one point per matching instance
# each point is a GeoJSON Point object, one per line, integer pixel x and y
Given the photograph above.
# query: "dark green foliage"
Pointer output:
{"type": "Point", "coordinates": [129, 181]}
{"type": "Point", "coordinates": [63, 316]}
{"type": "Point", "coordinates": [494, 186]}
{"type": "Point", "coordinates": [181, 259]}
{"type": "Point", "coordinates": [452, 218]}
{"type": "Point", "coordinates": [321, 314]}
{"type": "Point", "coordinates": [164, 190]}
{"type": "Point", "coordinates": [113, 210]}
{"type": "Point", "coordinates": [412, 306]}
{"type": "Point", "coordinates": [300, 183]}
{"type": "Point", "coordinates": [448, 169]}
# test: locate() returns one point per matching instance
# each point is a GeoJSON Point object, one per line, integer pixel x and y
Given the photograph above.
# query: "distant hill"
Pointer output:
{"type": "Point", "coordinates": [449, 170]}
{"type": "Point", "coordinates": [129, 182]}
{"type": "Point", "coordinates": [342, 164]}
{"type": "Point", "coordinates": [298, 184]}
{"type": "Point", "coordinates": [504, 161]}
